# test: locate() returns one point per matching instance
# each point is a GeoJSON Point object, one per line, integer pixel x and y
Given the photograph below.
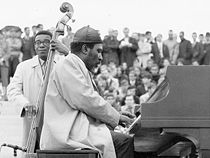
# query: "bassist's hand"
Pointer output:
{"type": "Point", "coordinates": [29, 111]}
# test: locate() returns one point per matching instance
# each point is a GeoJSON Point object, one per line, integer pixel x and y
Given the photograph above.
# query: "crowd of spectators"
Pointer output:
{"type": "Point", "coordinates": [134, 66]}
{"type": "Point", "coordinates": [131, 69]}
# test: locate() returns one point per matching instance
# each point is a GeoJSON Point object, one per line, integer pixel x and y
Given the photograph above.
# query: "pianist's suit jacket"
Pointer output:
{"type": "Point", "coordinates": [75, 114]}
{"type": "Point", "coordinates": [24, 88]}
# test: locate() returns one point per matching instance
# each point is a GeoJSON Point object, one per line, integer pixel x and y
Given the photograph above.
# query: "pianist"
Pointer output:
{"type": "Point", "coordinates": [75, 115]}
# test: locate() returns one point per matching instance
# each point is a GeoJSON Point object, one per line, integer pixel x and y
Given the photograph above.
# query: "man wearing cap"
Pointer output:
{"type": "Point", "coordinates": [75, 115]}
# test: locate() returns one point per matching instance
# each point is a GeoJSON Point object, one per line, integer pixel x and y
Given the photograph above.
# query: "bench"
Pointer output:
{"type": "Point", "coordinates": [67, 154]}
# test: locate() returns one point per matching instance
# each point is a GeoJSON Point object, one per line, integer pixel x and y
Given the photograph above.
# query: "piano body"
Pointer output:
{"type": "Point", "coordinates": [177, 111]}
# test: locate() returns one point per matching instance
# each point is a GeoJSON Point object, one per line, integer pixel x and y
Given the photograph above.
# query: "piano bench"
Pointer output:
{"type": "Point", "coordinates": [67, 154]}
{"type": "Point", "coordinates": [180, 149]}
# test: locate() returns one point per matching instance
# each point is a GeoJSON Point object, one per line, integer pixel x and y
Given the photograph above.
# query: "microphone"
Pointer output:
{"type": "Point", "coordinates": [15, 147]}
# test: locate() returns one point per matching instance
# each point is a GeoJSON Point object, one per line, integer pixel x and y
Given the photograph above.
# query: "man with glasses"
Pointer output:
{"type": "Point", "coordinates": [24, 87]}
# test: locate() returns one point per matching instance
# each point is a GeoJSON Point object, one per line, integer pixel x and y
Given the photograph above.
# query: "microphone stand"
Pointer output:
{"type": "Point", "coordinates": [15, 147]}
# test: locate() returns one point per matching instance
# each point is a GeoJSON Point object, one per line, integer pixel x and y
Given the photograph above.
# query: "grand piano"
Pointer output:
{"type": "Point", "coordinates": [176, 118]}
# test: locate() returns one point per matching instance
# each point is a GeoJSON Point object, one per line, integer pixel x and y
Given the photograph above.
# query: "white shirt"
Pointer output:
{"type": "Point", "coordinates": [160, 47]}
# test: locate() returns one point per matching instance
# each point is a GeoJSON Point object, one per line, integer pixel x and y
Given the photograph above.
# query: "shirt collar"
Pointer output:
{"type": "Point", "coordinates": [37, 61]}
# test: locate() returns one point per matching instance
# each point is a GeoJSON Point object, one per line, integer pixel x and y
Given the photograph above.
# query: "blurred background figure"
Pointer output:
{"type": "Point", "coordinates": [197, 49]}
{"type": "Point", "coordinates": [206, 57]}
{"type": "Point", "coordinates": [185, 50]}
{"type": "Point", "coordinates": [129, 104]}
{"type": "Point", "coordinates": [39, 27]}
{"type": "Point", "coordinates": [159, 50]}
{"type": "Point", "coordinates": [143, 98]}
{"type": "Point", "coordinates": [14, 43]}
{"type": "Point", "coordinates": [175, 54]}
{"type": "Point", "coordinates": [4, 65]}
{"type": "Point", "coordinates": [34, 30]}
{"type": "Point", "coordinates": [149, 38]}
{"type": "Point", "coordinates": [155, 72]}
{"type": "Point", "coordinates": [27, 45]}
{"type": "Point", "coordinates": [144, 51]}
{"type": "Point", "coordinates": [128, 47]}
{"type": "Point", "coordinates": [171, 44]}
{"type": "Point", "coordinates": [163, 70]}
{"type": "Point", "coordinates": [135, 35]}
{"type": "Point", "coordinates": [112, 99]}
{"type": "Point", "coordinates": [201, 38]}
{"type": "Point", "coordinates": [110, 48]}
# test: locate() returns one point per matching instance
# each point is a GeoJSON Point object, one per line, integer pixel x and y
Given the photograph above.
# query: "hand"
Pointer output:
{"type": "Point", "coordinates": [2, 61]}
{"type": "Point", "coordinates": [128, 114]}
{"type": "Point", "coordinates": [29, 111]}
{"type": "Point", "coordinates": [129, 44]}
{"type": "Point", "coordinates": [122, 44]}
{"type": "Point", "coordinates": [60, 47]}
{"type": "Point", "coordinates": [195, 63]}
{"type": "Point", "coordinates": [125, 120]}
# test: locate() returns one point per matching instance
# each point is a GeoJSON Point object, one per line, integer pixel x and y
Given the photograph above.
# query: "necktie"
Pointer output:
{"type": "Point", "coordinates": [43, 67]}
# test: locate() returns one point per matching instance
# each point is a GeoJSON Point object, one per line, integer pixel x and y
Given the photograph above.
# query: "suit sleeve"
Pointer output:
{"type": "Point", "coordinates": [189, 50]}
{"type": "Point", "coordinates": [15, 89]}
{"type": "Point", "coordinates": [201, 53]}
{"type": "Point", "coordinates": [153, 51]}
{"type": "Point", "coordinates": [166, 51]}
{"type": "Point", "coordinates": [134, 46]}
{"type": "Point", "coordinates": [73, 85]}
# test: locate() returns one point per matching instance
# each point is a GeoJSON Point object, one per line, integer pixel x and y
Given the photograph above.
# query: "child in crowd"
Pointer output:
{"type": "Point", "coordinates": [129, 104]}
{"type": "Point", "coordinates": [112, 99]}
{"type": "Point", "coordinates": [152, 86]}
{"type": "Point", "coordinates": [155, 72]}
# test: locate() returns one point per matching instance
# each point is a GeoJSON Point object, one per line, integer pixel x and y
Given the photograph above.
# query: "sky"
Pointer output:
{"type": "Point", "coordinates": [157, 16]}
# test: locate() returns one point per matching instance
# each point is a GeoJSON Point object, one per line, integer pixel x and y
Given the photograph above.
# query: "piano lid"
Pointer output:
{"type": "Point", "coordinates": [182, 100]}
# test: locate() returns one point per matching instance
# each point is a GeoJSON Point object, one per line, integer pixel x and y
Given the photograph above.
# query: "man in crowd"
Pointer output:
{"type": "Point", "coordinates": [197, 49]}
{"type": "Point", "coordinates": [206, 58]}
{"type": "Point", "coordinates": [128, 47]}
{"type": "Point", "coordinates": [159, 50]}
{"type": "Point", "coordinates": [4, 65]}
{"type": "Point", "coordinates": [171, 44]}
{"type": "Point", "coordinates": [27, 47]}
{"type": "Point", "coordinates": [129, 105]}
{"type": "Point", "coordinates": [201, 39]}
{"type": "Point", "coordinates": [146, 82]}
{"type": "Point", "coordinates": [110, 49]}
{"type": "Point", "coordinates": [144, 51]}
{"type": "Point", "coordinates": [14, 43]}
{"type": "Point", "coordinates": [78, 116]}
{"type": "Point", "coordinates": [24, 87]}
{"type": "Point", "coordinates": [185, 50]}
{"type": "Point", "coordinates": [39, 27]}
{"type": "Point", "coordinates": [34, 30]}
{"type": "Point", "coordinates": [155, 72]}
{"type": "Point", "coordinates": [148, 36]}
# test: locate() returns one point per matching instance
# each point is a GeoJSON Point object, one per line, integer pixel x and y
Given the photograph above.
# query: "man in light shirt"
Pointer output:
{"type": "Point", "coordinates": [171, 44]}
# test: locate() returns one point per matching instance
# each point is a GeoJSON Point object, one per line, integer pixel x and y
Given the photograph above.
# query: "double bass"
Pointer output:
{"type": "Point", "coordinates": [37, 120]}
